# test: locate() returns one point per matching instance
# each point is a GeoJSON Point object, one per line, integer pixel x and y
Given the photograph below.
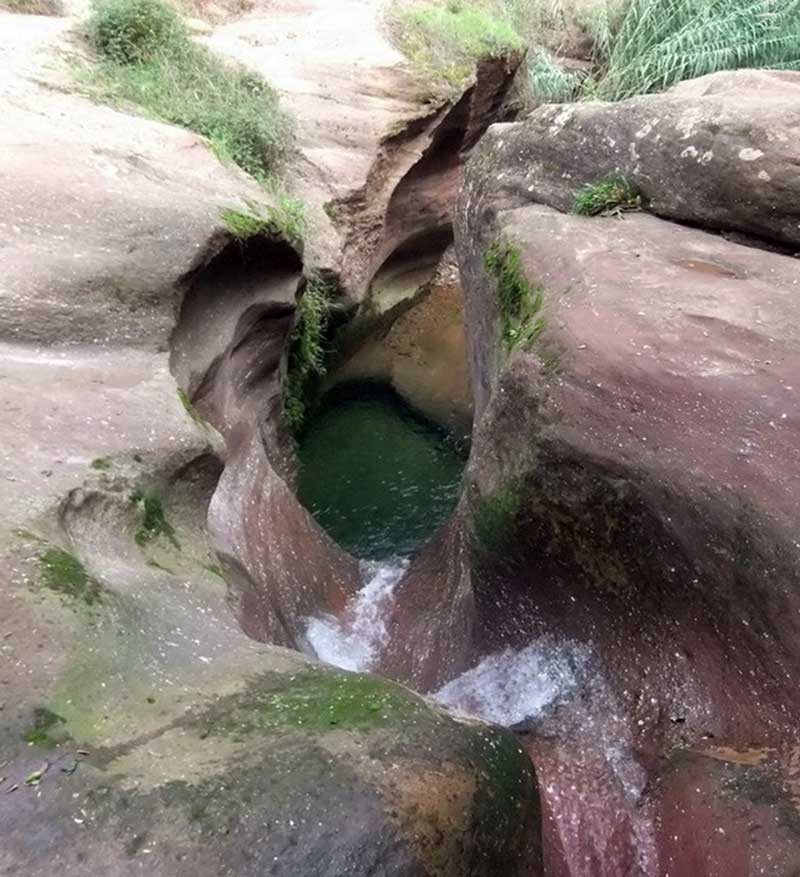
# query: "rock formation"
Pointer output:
{"type": "Point", "coordinates": [141, 729]}
{"type": "Point", "coordinates": [633, 485]}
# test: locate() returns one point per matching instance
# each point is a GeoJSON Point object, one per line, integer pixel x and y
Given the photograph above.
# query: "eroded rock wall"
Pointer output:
{"type": "Point", "coordinates": [633, 485]}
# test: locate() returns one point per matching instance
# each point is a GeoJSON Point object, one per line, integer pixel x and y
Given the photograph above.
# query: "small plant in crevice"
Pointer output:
{"type": "Point", "coordinates": [306, 360]}
{"type": "Point", "coordinates": [612, 196]}
{"type": "Point", "coordinates": [494, 518]}
{"type": "Point", "coordinates": [286, 219]}
{"type": "Point", "coordinates": [146, 57]}
{"type": "Point", "coordinates": [154, 522]}
{"type": "Point", "coordinates": [33, 7]}
{"type": "Point", "coordinates": [63, 573]}
{"type": "Point", "coordinates": [519, 302]}
{"type": "Point", "coordinates": [191, 409]}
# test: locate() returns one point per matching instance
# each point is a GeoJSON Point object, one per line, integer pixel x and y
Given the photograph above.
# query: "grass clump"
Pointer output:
{"type": "Point", "coordinates": [64, 573]}
{"type": "Point", "coordinates": [519, 302]}
{"type": "Point", "coordinates": [286, 219]}
{"type": "Point", "coordinates": [609, 197]}
{"type": "Point", "coordinates": [147, 58]}
{"type": "Point", "coordinates": [549, 81]}
{"type": "Point", "coordinates": [135, 31]}
{"type": "Point", "coordinates": [154, 522]}
{"type": "Point", "coordinates": [447, 40]}
{"type": "Point", "coordinates": [659, 43]}
{"type": "Point", "coordinates": [101, 464]}
{"type": "Point", "coordinates": [33, 7]}
{"type": "Point", "coordinates": [307, 349]}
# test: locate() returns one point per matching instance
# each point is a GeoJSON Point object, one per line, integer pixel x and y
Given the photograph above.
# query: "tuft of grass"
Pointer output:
{"type": "Point", "coordinates": [64, 573]}
{"type": "Point", "coordinates": [136, 31]}
{"type": "Point", "coordinates": [147, 58]}
{"type": "Point", "coordinates": [33, 7]}
{"type": "Point", "coordinates": [191, 408]}
{"type": "Point", "coordinates": [518, 301]}
{"type": "Point", "coordinates": [659, 43]}
{"type": "Point", "coordinates": [101, 464]}
{"type": "Point", "coordinates": [43, 732]}
{"type": "Point", "coordinates": [154, 522]}
{"type": "Point", "coordinates": [609, 197]}
{"type": "Point", "coordinates": [549, 81]}
{"type": "Point", "coordinates": [307, 349]}
{"type": "Point", "coordinates": [287, 219]}
{"type": "Point", "coordinates": [446, 40]}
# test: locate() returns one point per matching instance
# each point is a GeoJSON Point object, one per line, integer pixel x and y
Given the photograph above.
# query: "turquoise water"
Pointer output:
{"type": "Point", "coordinates": [378, 478]}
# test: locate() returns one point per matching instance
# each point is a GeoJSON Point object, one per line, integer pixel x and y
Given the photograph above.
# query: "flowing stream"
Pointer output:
{"type": "Point", "coordinates": [381, 480]}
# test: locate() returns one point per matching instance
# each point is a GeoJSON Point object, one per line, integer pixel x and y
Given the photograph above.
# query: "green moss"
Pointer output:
{"type": "Point", "coordinates": [315, 701]}
{"type": "Point", "coordinates": [191, 408]}
{"type": "Point", "coordinates": [332, 211]}
{"type": "Point", "coordinates": [44, 731]}
{"type": "Point", "coordinates": [64, 573]}
{"type": "Point", "coordinates": [495, 518]}
{"type": "Point", "coordinates": [611, 196]}
{"type": "Point", "coordinates": [101, 464]}
{"type": "Point", "coordinates": [154, 522]}
{"type": "Point", "coordinates": [519, 302]}
{"type": "Point", "coordinates": [214, 570]}
{"type": "Point", "coordinates": [146, 57]}
{"type": "Point", "coordinates": [506, 801]}
{"type": "Point", "coordinates": [307, 349]}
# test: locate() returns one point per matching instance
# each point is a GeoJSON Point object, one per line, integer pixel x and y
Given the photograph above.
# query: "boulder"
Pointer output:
{"type": "Point", "coordinates": [719, 152]}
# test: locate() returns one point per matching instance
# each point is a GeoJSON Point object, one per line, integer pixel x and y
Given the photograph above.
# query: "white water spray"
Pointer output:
{"type": "Point", "coordinates": [510, 686]}
{"type": "Point", "coordinates": [354, 643]}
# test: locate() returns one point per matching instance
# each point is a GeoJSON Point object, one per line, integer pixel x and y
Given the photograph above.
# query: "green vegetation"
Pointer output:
{"type": "Point", "coordinates": [549, 81]}
{"type": "Point", "coordinates": [33, 7]}
{"type": "Point", "coordinates": [191, 408]}
{"type": "Point", "coordinates": [101, 464]}
{"type": "Point", "coordinates": [315, 701]}
{"type": "Point", "coordinates": [146, 57]}
{"type": "Point", "coordinates": [445, 40]}
{"type": "Point", "coordinates": [307, 349]}
{"type": "Point", "coordinates": [659, 43]}
{"type": "Point", "coordinates": [494, 518]}
{"type": "Point", "coordinates": [519, 302]}
{"type": "Point", "coordinates": [154, 521]}
{"type": "Point", "coordinates": [64, 573]}
{"type": "Point", "coordinates": [609, 197]}
{"type": "Point", "coordinates": [43, 733]}
{"type": "Point", "coordinates": [640, 46]}
{"type": "Point", "coordinates": [287, 219]}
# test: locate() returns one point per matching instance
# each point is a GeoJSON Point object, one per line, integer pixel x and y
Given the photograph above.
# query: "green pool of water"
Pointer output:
{"type": "Point", "coordinates": [378, 478]}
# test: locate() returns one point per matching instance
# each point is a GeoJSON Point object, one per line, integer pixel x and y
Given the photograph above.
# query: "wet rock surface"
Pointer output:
{"type": "Point", "coordinates": [632, 487]}
{"type": "Point", "coordinates": [141, 729]}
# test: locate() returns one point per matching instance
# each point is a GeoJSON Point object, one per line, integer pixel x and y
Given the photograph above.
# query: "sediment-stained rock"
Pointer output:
{"type": "Point", "coordinates": [140, 728]}
{"type": "Point", "coordinates": [418, 346]}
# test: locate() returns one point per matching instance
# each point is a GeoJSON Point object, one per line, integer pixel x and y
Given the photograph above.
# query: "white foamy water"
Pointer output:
{"type": "Point", "coordinates": [354, 642]}
{"type": "Point", "coordinates": [510, 686]}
